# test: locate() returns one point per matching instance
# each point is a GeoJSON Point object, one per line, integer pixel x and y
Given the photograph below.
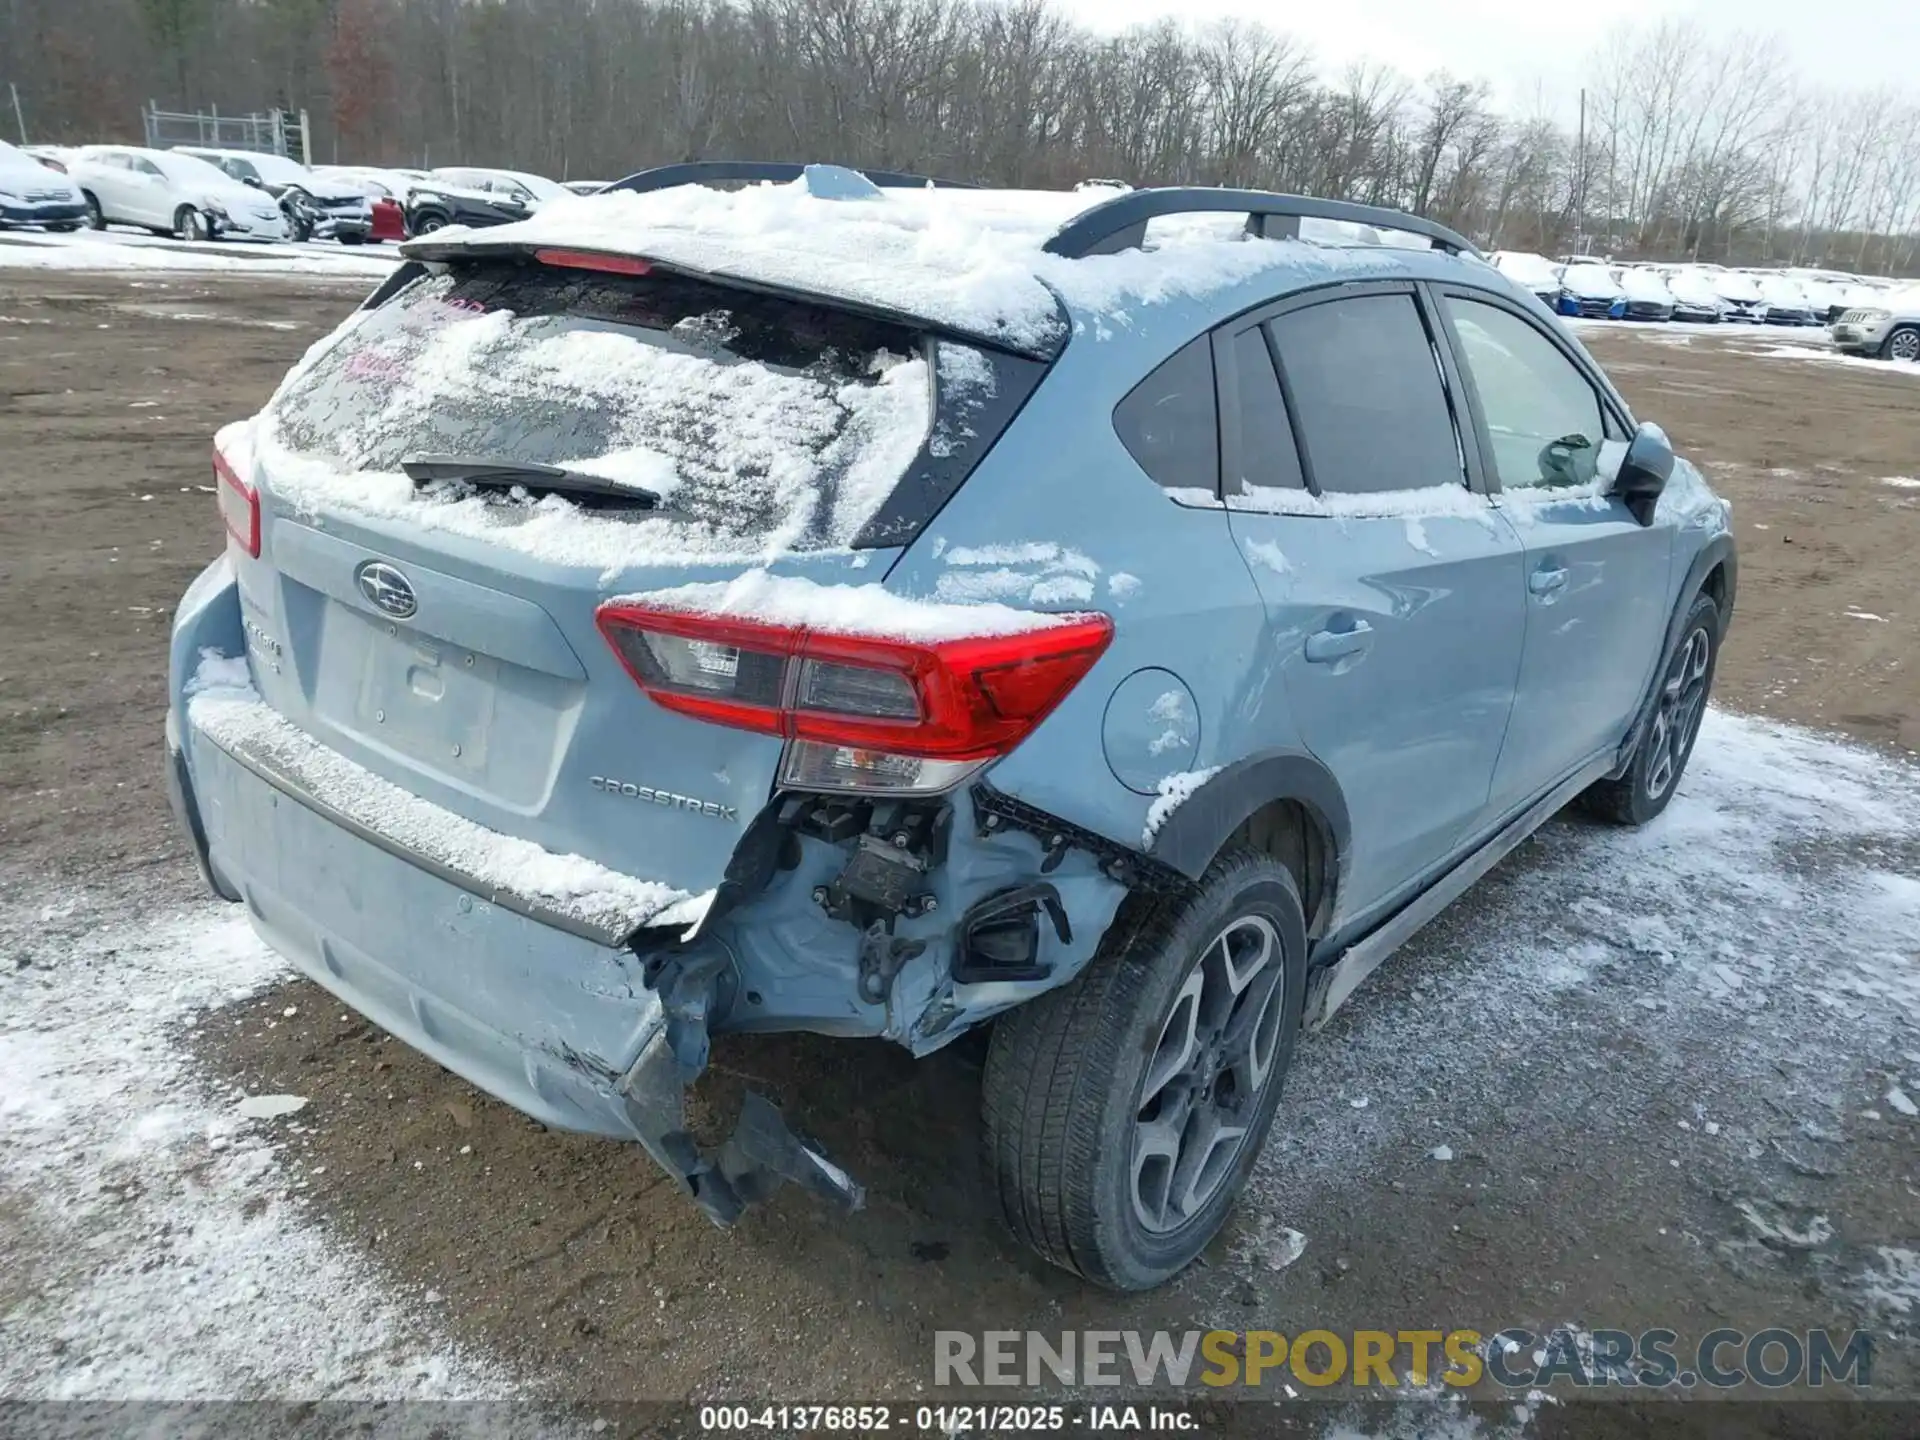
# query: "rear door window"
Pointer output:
{"type": "Point", "coordinates": [1369, 407]}
{"type": "Point", "coordinates": [1264, 455]}
{"type": "Point", "coordinates": [755, 416]}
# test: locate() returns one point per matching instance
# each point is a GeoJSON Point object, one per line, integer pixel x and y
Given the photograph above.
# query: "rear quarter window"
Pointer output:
{"type": "Point", "coordinates": [753, 416]}
{"type": "Point", "coordinates": [1170, 421]}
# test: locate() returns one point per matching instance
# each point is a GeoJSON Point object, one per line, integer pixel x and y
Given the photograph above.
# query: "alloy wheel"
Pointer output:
{"type": "Point", "coordinates": [1905, 345]}
{"type": "Point", "coordinates": [1208, 1074]}
{"type": "Point", "coordinates": [1682, 699]}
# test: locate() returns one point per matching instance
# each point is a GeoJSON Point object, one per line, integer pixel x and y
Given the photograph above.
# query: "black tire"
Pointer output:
{"type": "Point", "coordinates": [190, 224]}
{"type": "Point", "coordinates": [1902, 343]}
{"type": "Point", "coordinates": [347, 238]}
{"type": "Point", "coordinates": [1070, 1126]}
{"type": "Point", "coordinates": [1686, 682]}
{"type": "Point", "coordinates": [65, 227]}
{"type": "Point", "coordinates": [96, 217]}
{"type": "Point", "coordinates": [427, 222]}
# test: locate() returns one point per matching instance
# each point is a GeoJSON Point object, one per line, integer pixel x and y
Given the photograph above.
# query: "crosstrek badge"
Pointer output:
{"type": "Point", "coordinates": [663, 797]}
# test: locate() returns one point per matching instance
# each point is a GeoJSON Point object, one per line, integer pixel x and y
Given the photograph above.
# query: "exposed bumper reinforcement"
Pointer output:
{"type": "Point", "coordinates": [590, 1040]}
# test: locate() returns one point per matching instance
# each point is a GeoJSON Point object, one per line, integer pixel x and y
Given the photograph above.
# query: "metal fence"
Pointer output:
{"type": "Point", "coordinates": [277, 132]}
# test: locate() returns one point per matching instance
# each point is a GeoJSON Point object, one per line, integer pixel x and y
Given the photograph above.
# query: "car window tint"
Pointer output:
{"type": "Point", "coordinates": [1368, 403]}
{"type": "Point", "coordinates": [1543, 417]}
{"type": "Point", "coordinates": [1169, 424]}
{"type": "Point", "coordinates": [1264, 455]}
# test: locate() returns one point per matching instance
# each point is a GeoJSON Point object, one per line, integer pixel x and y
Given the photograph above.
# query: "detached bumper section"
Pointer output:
{"type": "Point", "coordinates": [41, 212]}
{"type": "Point", "coordinates": [533, 995]}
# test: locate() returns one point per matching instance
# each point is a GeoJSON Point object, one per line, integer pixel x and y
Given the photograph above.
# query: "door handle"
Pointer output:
{"type": "Point", "coordinates": [1326, 646]}
{"type": "Point", "coordinates": [1544, 581]}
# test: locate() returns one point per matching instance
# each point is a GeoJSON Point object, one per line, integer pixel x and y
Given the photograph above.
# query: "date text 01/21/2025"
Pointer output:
{"type": "Point", "coordinates": [944, 1419]}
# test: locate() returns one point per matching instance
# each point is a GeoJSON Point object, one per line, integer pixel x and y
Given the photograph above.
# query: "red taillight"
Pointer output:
{"type": "Point", "coordinates": [958, 700]}
{"type": "Point", "coordinates": [239, 505]}
{"type": "Point", "coordinates": [594, 260]}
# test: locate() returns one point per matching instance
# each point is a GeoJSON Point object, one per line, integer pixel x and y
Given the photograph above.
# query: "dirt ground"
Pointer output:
{"type": "Point", "coordinates": [575, 1260]}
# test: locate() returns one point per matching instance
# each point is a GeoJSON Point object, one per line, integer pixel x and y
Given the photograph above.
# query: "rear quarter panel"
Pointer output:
{"type": "Point", "coordinates": [1060, 518]}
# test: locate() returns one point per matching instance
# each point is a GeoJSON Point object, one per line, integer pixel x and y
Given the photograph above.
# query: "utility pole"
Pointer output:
{"type": "Point", "coordinates": [18, 118]}
{"type": "Point", "coordinates": [1580, 179]}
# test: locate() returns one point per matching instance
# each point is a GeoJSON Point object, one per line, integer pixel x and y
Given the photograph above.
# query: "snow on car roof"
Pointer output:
{"type": "Point", "coordinates": [969, 260]}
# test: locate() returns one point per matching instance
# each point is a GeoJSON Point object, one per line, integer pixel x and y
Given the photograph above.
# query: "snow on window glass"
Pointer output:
{"type": "Point", "coordinates": [750, 417]}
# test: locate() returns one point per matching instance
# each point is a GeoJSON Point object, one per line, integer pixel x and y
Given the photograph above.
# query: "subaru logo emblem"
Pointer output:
{"type": "Point", "coordinates": [389, 590]}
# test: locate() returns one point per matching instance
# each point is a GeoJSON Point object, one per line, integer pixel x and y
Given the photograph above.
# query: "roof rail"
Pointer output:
{"type": "Point", "coordinates": [708, 172]}
{"type": "Point", "coordinates": [1121, 223]}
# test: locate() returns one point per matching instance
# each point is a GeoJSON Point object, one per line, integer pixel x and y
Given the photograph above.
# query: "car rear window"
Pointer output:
{"type": "Point", "coordinates": [753, 416]}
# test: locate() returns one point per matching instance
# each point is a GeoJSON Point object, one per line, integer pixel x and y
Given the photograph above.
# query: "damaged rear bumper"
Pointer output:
{"type": "Point", "coordinates": [547, 1010]}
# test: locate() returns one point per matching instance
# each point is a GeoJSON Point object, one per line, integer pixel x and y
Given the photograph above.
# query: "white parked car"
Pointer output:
{"type": "Point", "coordinates": [1529, 272]}
{"type": "Point", "coordinates": [316, 208]}
{"type": "Point", "coordinates": [32, 194]}
{"type": "Point", "coordinates": [1648, 297]}
{"type": "Point", "coordinates": [372, 181]}
{"type": "Point", "coordinates": [1739, 293]}
{"type": "Point", "coordinates": [1886, 325]}
{"type": "Point", "coordinates": [1783, 301]}
{"type": "Point", "coordinates": [172, 194]}
{"type": "Point", "coordinates": [1696, 295]}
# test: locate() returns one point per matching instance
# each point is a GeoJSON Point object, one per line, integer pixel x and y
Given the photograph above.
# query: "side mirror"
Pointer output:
{"type": "Point", "coordinates": [253, 181]}
{"type": "Point", "coordinates": [1644, 471]}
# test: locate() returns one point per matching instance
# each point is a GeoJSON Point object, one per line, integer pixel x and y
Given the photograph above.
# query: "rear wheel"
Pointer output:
{"type": "Point", "coordinates": [1643, 792]}
{"type": "Point", "coordinates": [1903, 344]}
{"type": "Point", "coordinates": [1124, 1111]}
{"type": "Point", "coordinates": [429, 222]}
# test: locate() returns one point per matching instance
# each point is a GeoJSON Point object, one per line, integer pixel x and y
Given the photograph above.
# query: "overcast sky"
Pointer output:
{"type": "Point", "coordinates": [1523, 44]}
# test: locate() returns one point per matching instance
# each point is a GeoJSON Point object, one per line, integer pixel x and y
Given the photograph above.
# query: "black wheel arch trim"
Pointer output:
{"type": "Point", "coordinates": [1193, 834]}
{"type": "Point", "coordinates": [1717, 552]}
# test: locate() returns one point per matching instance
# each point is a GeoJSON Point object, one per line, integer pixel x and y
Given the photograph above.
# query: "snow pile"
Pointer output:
{"type": "Point", "coordinates": [1174, 791]}
{"type": "Point", "coordinates": [1834, 357]}
{"type": "Point", "coordinates": [1038, 573]}
{"type": "Point", "coordinates": [120, 250]}
{"type": "Point", "coordinates": [1894, 1288]}
{"type": "Point", "coordinates": [1429, 502]}
{"type": "Point", "coordinates": [170, 1258]}
{"type": "Point", "coordinates": [234, 717]}
{"type": "Point", "coordinates": [800, 603]}
{"type": "Point", "coordinates": [969, 259]}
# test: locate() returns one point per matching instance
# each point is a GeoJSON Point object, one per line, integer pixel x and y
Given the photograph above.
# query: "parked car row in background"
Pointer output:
{"type": "Point", "coordinates": [1698, 293]}
{"type": "Point", "coordinates": [202, 193]}
{"type": "Point", "coordinates": [205, 193]}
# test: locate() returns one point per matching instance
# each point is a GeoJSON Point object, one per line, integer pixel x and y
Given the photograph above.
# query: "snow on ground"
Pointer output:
{"type": "Point", "coordinates": [1756, 951]}
{"type": "Point", "coordinates": [155, 1243]}
{"type": "Point", "coordinates": [132, 250]}
{"type": "Point", "coordinates": [1753, 955]}
{"type": "Point", "coordinates": [1834, 357]}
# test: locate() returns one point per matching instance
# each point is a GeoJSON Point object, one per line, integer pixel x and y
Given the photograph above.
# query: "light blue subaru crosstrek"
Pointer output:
{"type": "Point", "coordinates": [858, 605]}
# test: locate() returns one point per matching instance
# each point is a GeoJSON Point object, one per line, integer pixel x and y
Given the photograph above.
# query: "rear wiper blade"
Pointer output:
{"type": "Point", "coordinates": [487, 474]}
